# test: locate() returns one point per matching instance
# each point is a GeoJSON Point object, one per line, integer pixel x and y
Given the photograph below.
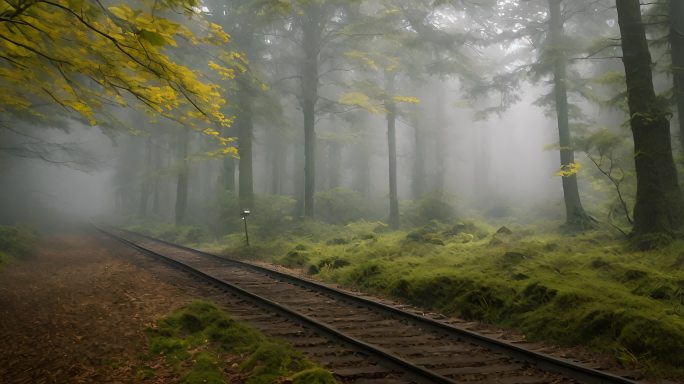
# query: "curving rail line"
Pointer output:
{"type": "Point", "coordinates": [429, 351]}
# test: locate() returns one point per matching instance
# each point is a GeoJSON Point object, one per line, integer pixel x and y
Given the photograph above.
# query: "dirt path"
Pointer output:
{"type": "Point", "coordinates": [75, 312]}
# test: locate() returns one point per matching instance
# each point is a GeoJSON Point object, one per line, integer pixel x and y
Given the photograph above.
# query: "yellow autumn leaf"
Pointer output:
{"type": "Point", "coordinates": [406, 99]}
{"type": "Point", "coordinates": [568, 170]}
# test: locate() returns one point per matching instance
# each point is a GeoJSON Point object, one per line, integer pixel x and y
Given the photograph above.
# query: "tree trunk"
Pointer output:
{"type": "Point", "coordinates": [145, 186]}
{"type": "Point", "coordinates": [482, 189]}
{"type": "Point", "coordinates": [243, 37]}
{"type": "Point", "coordinates": [277, 166]}
{"type": "Point", "coordinates": [182, 182]}
{"type": "Point", "coordinates": [575, 215]}
{"type": "Point", "coordinates": [677, 43]}
{"type": "Point", "coordinates": [362, 167]}
{"type": "Point", "coordinates": [228, 174]}
{"type": "Point", "coordinates": [298, 179]}
{"type": "Point", "coordinates": [311, 40]}
{"type": "Point", "coordinates": [334, 160]}
{"type": "Point", "coordinates": [657, 212]}
{"type": "Point", "coordinates": [155, 181]}
{"type": "Point", "coordinates": [418, 182]}
{"type": "Point", "coordinates": [228, 168]}
{"type": "Point", "coordinates": [245, 128]}
{"type": "Point", "coordinates": [392, 150]}
{"type": "Point", "coordinates": [440, 140]}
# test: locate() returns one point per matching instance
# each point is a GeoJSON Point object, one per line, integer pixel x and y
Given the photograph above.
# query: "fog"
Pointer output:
{"type": "Point", "coordinates": [498, 160]}
{"type": "Point", "coordinates": [474, 124]}
{"type": "Point", "coordinates": [35, 189]}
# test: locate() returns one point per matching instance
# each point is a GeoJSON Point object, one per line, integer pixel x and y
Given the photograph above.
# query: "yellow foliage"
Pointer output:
{"type": "Point", "coordinates": [568, 170]}
{"type": "Point", "coordinates": [226, 73]}
{"type": "Point", "coordinates": [74, 54]}
{"type": "Point", "coordinates": [406, 99]}
{"type": "Point", "coordinates": [363, 57]}
{"type": "Point", "coordinates": [361, 100]}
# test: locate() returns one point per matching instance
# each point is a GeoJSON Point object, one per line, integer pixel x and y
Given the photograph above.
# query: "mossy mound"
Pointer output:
{"type": "Point", "coordinates": [16, 242]}
{"type": "Point", "coordinates": [196, 338]}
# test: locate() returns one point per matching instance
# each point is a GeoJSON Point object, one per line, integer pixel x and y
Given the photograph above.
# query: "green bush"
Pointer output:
{"type": "Point", "coordinates": [272, 213]}
{"type": "Point", "coordinates": [16, 242]}
{"type": "Point", "coordinates": [432, 206]}
{"type": "Point", "coordinates": [340, 206]}
{"type": "Point", "coordinates": [227, 210]}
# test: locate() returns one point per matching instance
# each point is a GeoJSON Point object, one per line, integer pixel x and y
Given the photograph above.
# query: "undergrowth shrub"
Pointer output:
{"type": "Point", "coordinates": [227, 210]}
{"type": "Point", "coordinates": [435, 205]}
{"type": "Point", "coordinates": [16, 242]}
{"type": "Point", "coordinates": [340, 206]}
{"type": "Point", "coordinates": [271, 214]}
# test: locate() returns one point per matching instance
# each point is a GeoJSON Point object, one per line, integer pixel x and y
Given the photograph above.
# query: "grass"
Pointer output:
{"type": "Point", "coordinates": [573, 289]}
{"type": "Point", "coordinates": [198, 340]}
{"type": "Point", "coordinates": [15, 242]}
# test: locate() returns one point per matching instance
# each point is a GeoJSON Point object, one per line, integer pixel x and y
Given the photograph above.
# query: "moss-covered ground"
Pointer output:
{"type": "Point", "coordinates": [15, 242]}
{"type": "Point", "coordinates": [199, 339]}
{"type": "Point", "coordinates": [587, 288]}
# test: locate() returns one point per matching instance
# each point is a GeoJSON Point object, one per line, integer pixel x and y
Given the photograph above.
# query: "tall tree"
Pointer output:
{"type": "Point", "coordinates": [334, 163]}
{"type": "Point", "coordinates": [677, 45]}
{"type": "Point", "coordinates": [245, 126]}
{"type": "Point", "coordinates": [182, 178]}
{"type": "Point", "coordinates": [574, 212]}
{"type": "Point", "coordinates": [536, 29]}
{"type": "Point", "coordinates": [237, 17]}
{"type": "Point", "coordinates": [418, 177]}
{"type": "Point", "coordinates": [391, 107]}
{"type": "Point", "coordinates": [146, 179]}
{"type": "Point", "coordinates": [312, 24]}
{"type": "Point", "coordinates": [657, 212]}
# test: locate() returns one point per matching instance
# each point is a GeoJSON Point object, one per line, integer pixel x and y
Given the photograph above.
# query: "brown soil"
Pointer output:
{"type": "Point", "coordinates": [76, 311]}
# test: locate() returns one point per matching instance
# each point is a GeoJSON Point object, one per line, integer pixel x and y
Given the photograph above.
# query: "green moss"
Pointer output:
{"type": "Point", "coordinates": [313, 376]}
{"type": "Point", "coordinates": [4, 259]}
{"type": "Point", "coordinates": [174, 349]}
{"type": "Point", "coordinates": [295, 258]}
{"type": "Point", "coordinates": [272, 360]}
{"type": "Point", "coordinates": [144, 373]}
{"type": "Point", "coordinates": [193, 337]}
{"type": "Point", "coordinates": [205, 370]}
{"type": "Point", "coordinates": [588, 288]}
{"type": "Point", "coordinates": [16, 242]}
{"type": "Point", "coordinates": [660, 342]}
{"type": "Point", "coordinates": [650, 241]}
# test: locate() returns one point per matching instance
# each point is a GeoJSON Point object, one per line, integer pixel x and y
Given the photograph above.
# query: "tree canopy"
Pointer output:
{"type": "Point", "coordinates": [86, 56]}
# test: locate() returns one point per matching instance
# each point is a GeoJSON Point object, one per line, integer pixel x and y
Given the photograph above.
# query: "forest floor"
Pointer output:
{"type": "Point", "coordinates": [574, 289]}
{"type": "Point", "coordinates": [75, 311]}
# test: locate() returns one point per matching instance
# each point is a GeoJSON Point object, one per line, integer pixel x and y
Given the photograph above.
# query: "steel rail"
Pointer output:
{"type": "Point", "coordinates": [382, 356]}
{"type": "Point", "coordinates": [540, 360]}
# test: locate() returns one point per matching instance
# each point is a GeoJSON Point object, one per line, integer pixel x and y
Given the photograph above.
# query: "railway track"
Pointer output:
{"type": "Point", "coordinates": [362, 340]}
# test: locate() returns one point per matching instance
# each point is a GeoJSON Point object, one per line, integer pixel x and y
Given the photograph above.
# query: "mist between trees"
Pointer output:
{"type": "Point", "coordinates": [401, 111]}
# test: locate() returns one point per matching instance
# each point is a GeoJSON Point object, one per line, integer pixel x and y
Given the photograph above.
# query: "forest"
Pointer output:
{"type": "Point", "coordinates": [512, 162]}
